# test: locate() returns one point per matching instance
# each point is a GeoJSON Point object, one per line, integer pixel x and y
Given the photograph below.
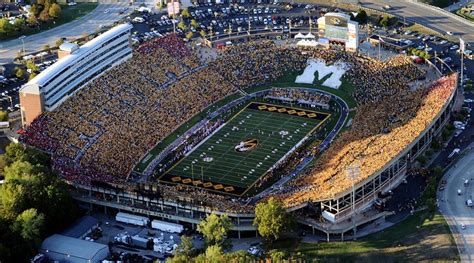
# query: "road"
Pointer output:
{"type": "Point", "coordinates": [454, 208]}
{"type": "Point", "coordinates": [431, 17]}
{"type": "Point", "coordinates": [86, 24]}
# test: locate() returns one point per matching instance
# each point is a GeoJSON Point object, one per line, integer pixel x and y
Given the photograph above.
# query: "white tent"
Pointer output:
{"type": "Point", "coordinates": [299, 36]}
{"type": "Point", "coordinates": [310, 36]}
{"type": "Point", "coordinates": [307, 43]}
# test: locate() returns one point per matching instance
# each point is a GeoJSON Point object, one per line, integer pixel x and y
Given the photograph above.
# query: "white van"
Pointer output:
{"type": "Point", "coordinates": [469, 202]}
{"type": "Point", "coordinates": [138, 19]}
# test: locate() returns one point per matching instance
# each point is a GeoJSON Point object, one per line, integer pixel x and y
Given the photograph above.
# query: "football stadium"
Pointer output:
{"type": "Point", "coordinates": [176, 133]}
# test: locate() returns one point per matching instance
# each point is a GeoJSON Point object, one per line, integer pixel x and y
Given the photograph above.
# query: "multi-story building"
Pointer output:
{"type": "Point", "coordinates": [76, 66]}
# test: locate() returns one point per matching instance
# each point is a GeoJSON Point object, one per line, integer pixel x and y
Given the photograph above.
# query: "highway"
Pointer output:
{"type": "Point", "coordinates": [86, 24]}
{"type": "Point", "coordinates": [431, 17]}
{"type": "Point", "coordinates": [454, 208]}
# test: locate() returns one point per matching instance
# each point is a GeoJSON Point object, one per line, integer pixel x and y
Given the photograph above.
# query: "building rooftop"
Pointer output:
{"type": "Point", "coordinates": [73, 247]}
{"type": "Point", "coordinates": [51, 71]}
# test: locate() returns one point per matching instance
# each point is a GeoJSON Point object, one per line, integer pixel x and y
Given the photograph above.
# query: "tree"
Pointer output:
{"type": "Point", "coordinates": [277, 255]}
{"type": "Point", "coordinates": [12, 200]}
{"type": "Point", "coordinates": [182, 25]}
{"type": "Point", "coordinates": [19, 170]}
{"type": "Point", "coordinates": [3, 116]}
{"type": "Point", "coordinates": [29, 224]}
{"type": "Point", "coordinates": [32, 76]}
{"type": "Point", "coordinates": [54, 10]}
{"type": "Point", "coordinates": [214, 228]}
{"type": "Point", "coordinates": [30, 64]}
{"type": "Point", "coordinates": [202, 33]}
{"type": "Point", "coordinates": [271, 219]}
{"type": "Point", "coordinates": [32, 20]}
{"type": "Point", "coordinates": [189, 35]}
{"type": "Point", "coordinates": [35, 10]}
{"type": "Point", "coordinates": [194, 23]}
{"type": "Point", "coordinates": [59, 42]}
{"type": "Point", "coordinates": [213, 254]}
{"type": "Point", "coordinates": [362, 16]}
{"type": "Point", "coordinates": [5, 26]}
{"type": "Point", "coordinates": [19, 73]}
{"type": "Point", "coordinates": [385, 21]}
{"type": "Point", "coordinates": [185, 13]}
{"type": "Point", "coordinates": [185, 247]}
{"type": "Point", "coordinates": [239, 256]}
{"type": "Point", "coordinates": [44, 15]}
{"type": "Point", "coordinates": [18, 23]}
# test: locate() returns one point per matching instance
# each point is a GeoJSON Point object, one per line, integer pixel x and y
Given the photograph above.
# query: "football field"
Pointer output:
{"type": "Point", "coordinates": [233, 158]}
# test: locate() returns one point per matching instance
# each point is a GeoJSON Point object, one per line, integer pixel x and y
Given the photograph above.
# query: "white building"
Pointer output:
{"type": "Point", "coordinates": [76, 66]}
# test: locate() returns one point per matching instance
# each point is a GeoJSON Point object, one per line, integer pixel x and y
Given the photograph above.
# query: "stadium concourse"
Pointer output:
{"type": "Point", "coordinates": [105, 129]}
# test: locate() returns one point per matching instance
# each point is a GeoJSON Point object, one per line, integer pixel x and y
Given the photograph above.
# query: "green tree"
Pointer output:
{"type": "Point", "coordinates": [189, 35]}
{"type": "Point", "coordinates": [362, 16]}
{"type": "Point", "coordinates": [18, 23]}
{"type": "Point", "coordinates": [271, 219]}
{"type": "Point", "coordinates": [185, 247]}
{"type": "Point", "coordinates": [35, 10]}
{"type": "Point", "coordinates": [213, 254]}
{"type": "Point", "coordinates": [29, 224]}
{"type": "Point", "coordinates": [214, 228]}
{"type": "Point", "coordinates": [182, 25]}
{"type": "Point", "coordinates": [54, 11]}
{"type": "Point", "coordinates": [185, 13]}
{"type": "Point", "coordinates": [5, 26]}
{"type": "Point", "coordinates": [3, 116]}
{"type": "Point", "coordinates": [44, 15]}
{"type": "Point", "coordinates": [12, 200]}
{"type": "Point", "coordinates": [19, 170]}
{"type": "Point", "coordinates": [32, 76]}
{"type": "Point", "coordinates": [385, 21]}
{"type": "Point", "coordinates": [32, 20]}
{"type": "Point", "coordinates": [19, 73]}
{"type": "Point", "coordinates": [240, 256]}
{"type": "Point", "coordinates": [59, 42]}
{"type": "Point", "coordinates": [194, 23]}
{"type": "Point", "coordinates": [277, 255]}
{"type": "Point", "coordinates": [202, 33]}
{"type": "Point", "coordinates": [30, 64]}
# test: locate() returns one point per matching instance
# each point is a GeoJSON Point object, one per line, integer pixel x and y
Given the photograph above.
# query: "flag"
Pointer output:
{"type": "Point", "coordinates": [462, 45]}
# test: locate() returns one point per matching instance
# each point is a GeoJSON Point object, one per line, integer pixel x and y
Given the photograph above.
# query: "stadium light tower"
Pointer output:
{"type": "Point", "coordinates": [353, 173]}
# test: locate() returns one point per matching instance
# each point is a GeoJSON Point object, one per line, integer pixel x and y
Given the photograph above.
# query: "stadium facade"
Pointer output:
{"type": "Point", "coordinates": [76, 66]}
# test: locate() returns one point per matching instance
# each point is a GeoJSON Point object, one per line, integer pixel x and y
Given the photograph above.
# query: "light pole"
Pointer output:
{"type": "Point", "coordinates": [353, 172]}
{"type": "Point", "coordinates": [23, 43]}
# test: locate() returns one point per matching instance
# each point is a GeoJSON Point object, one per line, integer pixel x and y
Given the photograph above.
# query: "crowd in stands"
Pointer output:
{"type": "Point", "coordinates": [372, 141]}
{"type": "Point", "coordinates": [102, 131]}
{"type": "Point", "coordinates": [314, 98]}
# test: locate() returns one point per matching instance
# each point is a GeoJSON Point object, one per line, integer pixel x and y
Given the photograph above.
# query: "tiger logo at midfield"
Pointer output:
{"type": "Point", "coordinates": [246, 145]}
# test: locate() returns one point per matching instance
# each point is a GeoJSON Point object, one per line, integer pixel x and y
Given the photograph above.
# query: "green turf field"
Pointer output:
{"type": "Point", "coordinates": [270, 132]}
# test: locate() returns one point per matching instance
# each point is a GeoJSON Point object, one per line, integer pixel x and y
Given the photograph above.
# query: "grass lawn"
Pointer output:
{"type": "Point", "coordinates": [68, 14]}
{"type": "Point", "coordinates": [462, 13]}
{"type": "Point", "coordinates": [421, 237]}
{"type": "Point", "coordinates": [344, 92]}
{"type": "Point", "coordinates": [270, 130]}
